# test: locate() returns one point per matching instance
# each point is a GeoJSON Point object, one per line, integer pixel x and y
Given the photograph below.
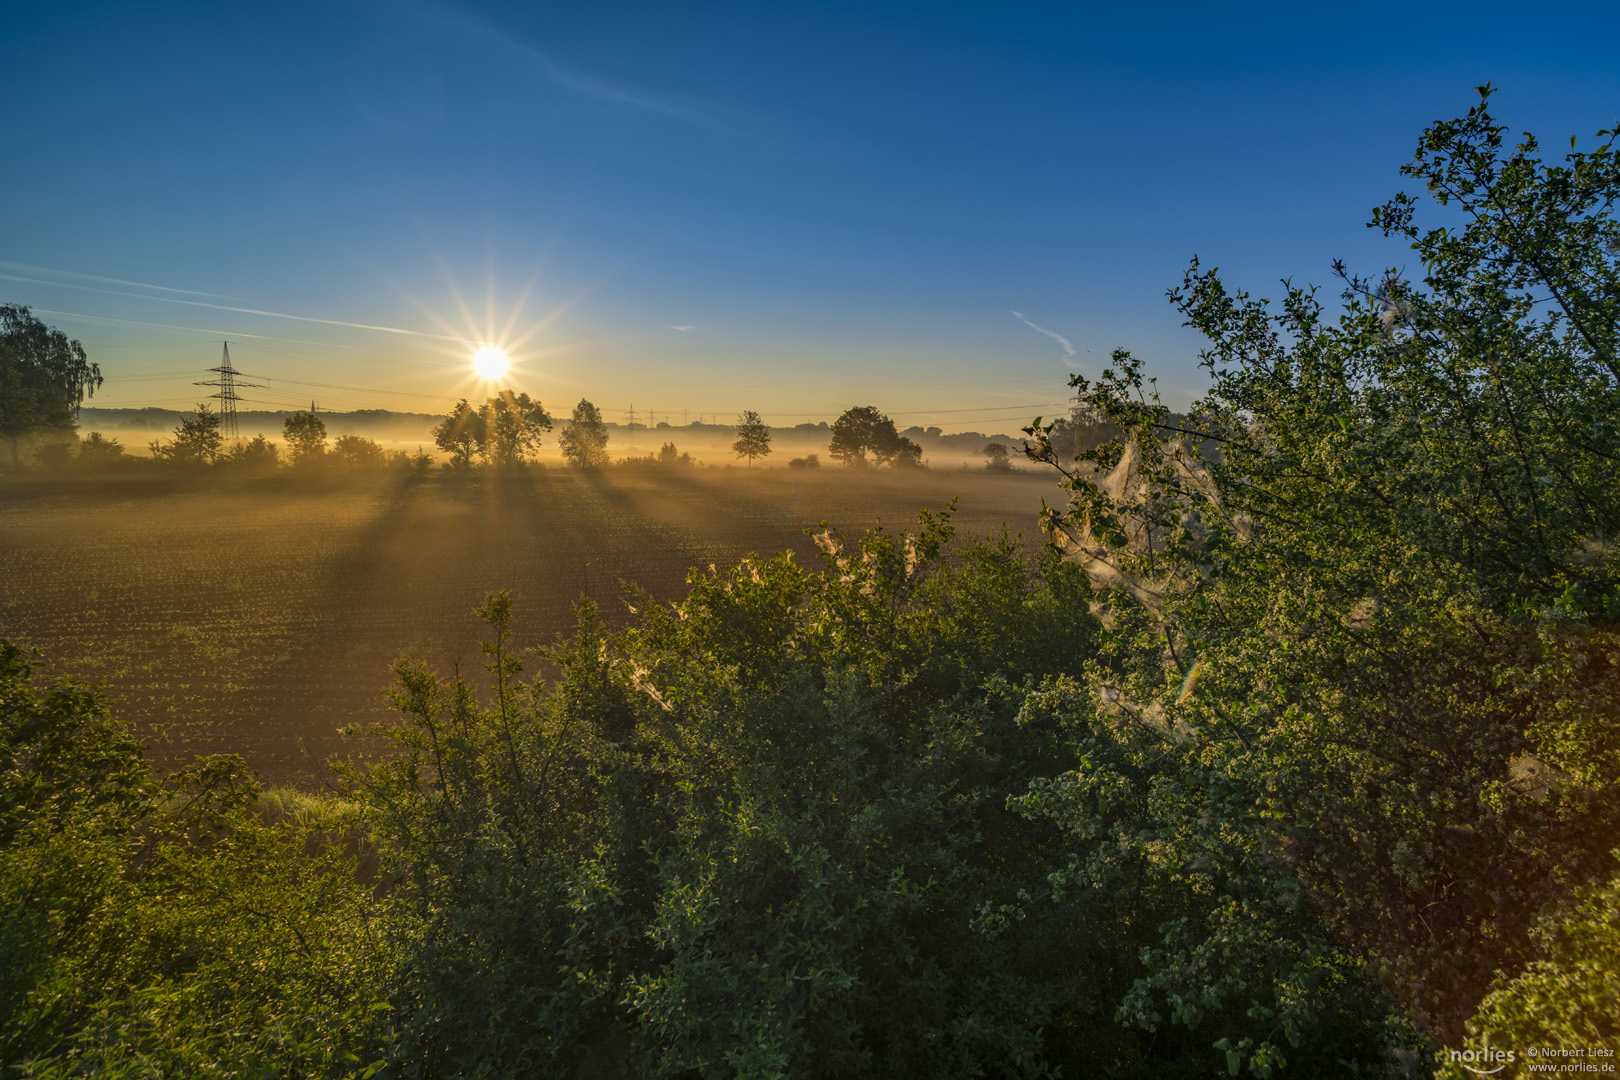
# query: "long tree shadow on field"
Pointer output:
{"type": "Point", "coordinates": [688, 525]}
{"type": "Point", "coordinates": [291, 721]}
{"type": "Point", "coordinates": [407, 580]}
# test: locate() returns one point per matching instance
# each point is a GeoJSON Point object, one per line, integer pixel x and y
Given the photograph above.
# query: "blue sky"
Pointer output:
{"type": "Point", "coordinates": [707, 207]}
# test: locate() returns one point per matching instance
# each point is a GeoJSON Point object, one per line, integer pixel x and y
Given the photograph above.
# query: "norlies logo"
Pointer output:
{"type": "Point", "coordinates": [1469, 1059]}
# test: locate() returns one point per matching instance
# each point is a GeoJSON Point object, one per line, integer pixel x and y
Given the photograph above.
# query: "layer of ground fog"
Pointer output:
{"type": "Point", "coordinates": [260, 616]}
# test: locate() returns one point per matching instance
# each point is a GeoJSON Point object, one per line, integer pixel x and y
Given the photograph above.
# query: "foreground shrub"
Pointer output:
{"type": "Point", "coordinates": [159, 928]}
{"type": "Point", "coordinates": [1570, 998]}
{"type": "Point", "coordinates": [783, 828]}
{"type": "Point", "coordinates": [801, 823]}
{"type": "Point", "coordinates": [1363, 597]}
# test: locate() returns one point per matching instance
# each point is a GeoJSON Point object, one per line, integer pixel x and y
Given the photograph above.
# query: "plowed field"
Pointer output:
{"type": "Point", "coordinates": [258, 617]}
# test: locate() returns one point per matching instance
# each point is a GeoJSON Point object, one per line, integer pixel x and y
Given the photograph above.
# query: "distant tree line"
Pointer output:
{"type": "Point", "coordinates": [198, 441]}
{"type": "Point", "coordinates": [44, 378]}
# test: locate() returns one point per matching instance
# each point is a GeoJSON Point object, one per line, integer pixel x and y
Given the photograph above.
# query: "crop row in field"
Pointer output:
{"type": "Point", "coordinates": [260, 617]}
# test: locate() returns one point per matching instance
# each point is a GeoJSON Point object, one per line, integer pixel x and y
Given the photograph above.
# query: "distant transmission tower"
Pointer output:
{"type": "Point", "coordinates": [227, 394]}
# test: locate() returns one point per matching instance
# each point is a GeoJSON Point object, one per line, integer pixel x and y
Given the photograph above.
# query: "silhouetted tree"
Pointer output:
{"type": "Point", "coordinates": [584, 441]}
{"type": "Point", "coordinates": [461, 434]}
{"type": "Point", "coordinates": [753, 437]}
{"type": "Point", "coordinates": [257, 454]}
{"type": "Point", "coordinates": [996, 457]}
{"type": "Point", "coordinates": [669, 455]}
{"type": "Point", "coordinates": [511, 427]}
{"type": "Point", "coordinates": [357, 452]}
{"type": "Point", "coordinates": [904, 454]}
{"type": "Point", "coordinates": [44, 377]}
{"type": "Point", "coordinates": [864, 430]}
{"type": "Point", "coordinates": [306, 436]}
{"type": "Point", "coordinates": [97, 449]}
{"type": "Point", "coordinates": [197, 441]}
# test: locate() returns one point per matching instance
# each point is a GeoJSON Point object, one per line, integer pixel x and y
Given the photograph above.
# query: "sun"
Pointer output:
{"type": "Point", "coordinates": [490, 363]}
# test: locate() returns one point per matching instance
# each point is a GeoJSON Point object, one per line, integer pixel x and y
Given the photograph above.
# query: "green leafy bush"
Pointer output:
{"type": "Point", "coordinates": [1364, 596]}
{"type": "Point", "coordinates": [159, 928]}
{"type": "Point", "coordinates": [803, 822]}
{"type": "Point", "coordinates": [1570, 998]}
{"type": "Point", "coordinates": [784, 827]}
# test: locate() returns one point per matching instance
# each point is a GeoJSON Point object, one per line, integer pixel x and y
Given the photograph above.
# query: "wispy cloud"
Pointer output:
{"type": "Point", "coordinates": [682, 329]}
{"type": "Point", "coordinates": [554, 72]}
{"type": "Point", "coordinates": [241, 310]}
{"type": "Point", "coordinates": [1068, 347]}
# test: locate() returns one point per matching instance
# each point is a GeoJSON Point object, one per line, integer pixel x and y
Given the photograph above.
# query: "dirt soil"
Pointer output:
{"type": "Point", "coordinates": [260, 616]}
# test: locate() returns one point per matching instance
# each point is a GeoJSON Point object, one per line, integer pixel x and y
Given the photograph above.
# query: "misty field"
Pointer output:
{"type": "Point", "coordinates": [260, 616]}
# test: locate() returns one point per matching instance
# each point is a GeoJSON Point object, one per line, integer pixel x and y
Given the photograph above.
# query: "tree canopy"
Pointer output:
{"type": "Point", "coordinates": [505, 430]}
{"type": "Point", "coordinates": [511, 428]}
{"type": "Point", "coordinates": [584, 441]}
{"type": "Point", "coordinates": [461, 434]}
{"type": "Point", "coordinates": [96, 449]}
{"type": "Point", "coordinates": [864, 430]}
{"type": "Point", "coordinates": [306, 436]}
{"type": "Point", "coordinates": [44, 377]}
{"type": "Point", "coordinates": [357, 452]}
{"type": "Point", "coordinates": [1364, 595]}
{"type": "Point", "coordinates": [257, 454]}
{"type": "Point", "coordinates": [197, 439]}
{"type": "Point", "coordinates": [753, 437]}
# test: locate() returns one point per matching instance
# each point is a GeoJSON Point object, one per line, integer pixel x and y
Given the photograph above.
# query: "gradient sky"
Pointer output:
{"type": "Point", "coordinates": [700, 208]}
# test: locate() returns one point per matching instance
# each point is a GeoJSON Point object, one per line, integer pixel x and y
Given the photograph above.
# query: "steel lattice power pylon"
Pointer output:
{"type": "Point", "coordinates": [227, 394]}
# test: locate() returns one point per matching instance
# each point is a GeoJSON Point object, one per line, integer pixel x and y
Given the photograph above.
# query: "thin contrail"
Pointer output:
{"type": "Point", "coordinates": [1068, 347]}
{"type": "Point", "coordinates": [554, 72]}
{"type": "Point", "coordinates": [241, 310]}
{"type": "Point", "coordinates": [214, 331]}
{"type": "Point", "coordinates": [109, 280]}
